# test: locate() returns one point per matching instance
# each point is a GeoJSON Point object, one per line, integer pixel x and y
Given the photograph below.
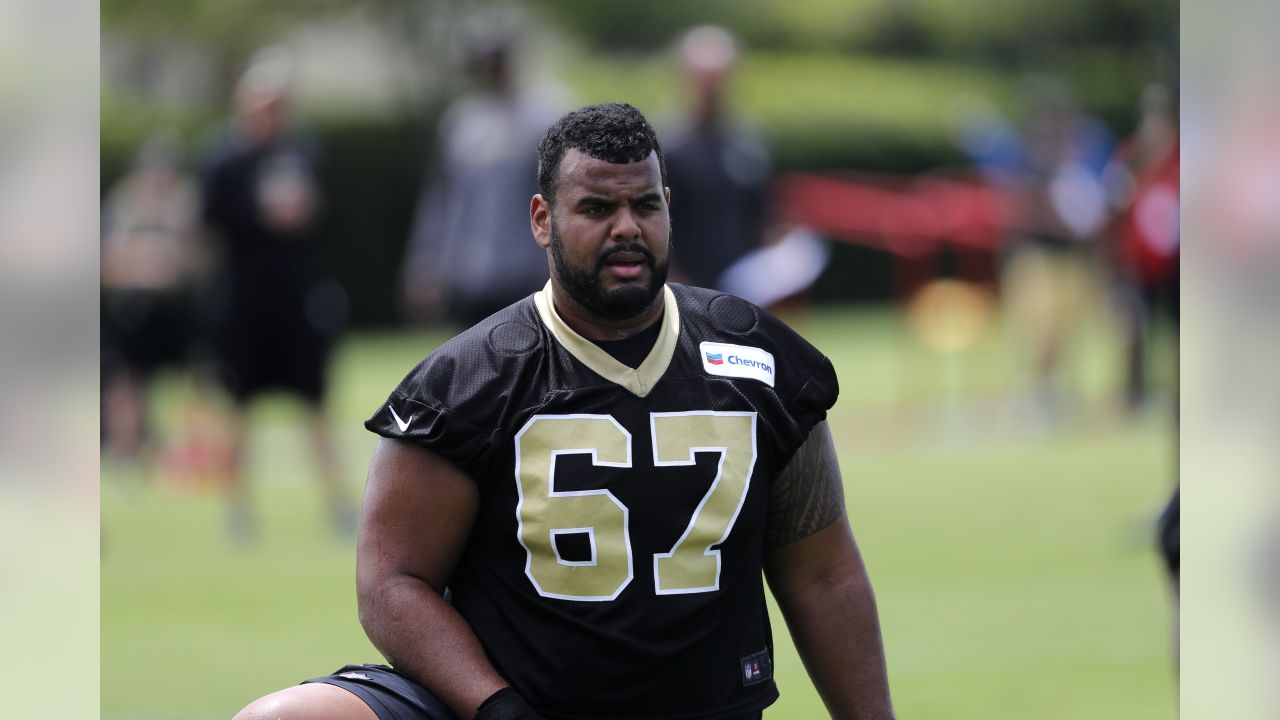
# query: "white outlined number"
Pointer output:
{"type": "Point", "coordinates": [543, 513]}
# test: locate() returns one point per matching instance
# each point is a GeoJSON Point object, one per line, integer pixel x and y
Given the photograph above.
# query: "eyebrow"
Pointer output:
{"type": "Point", "coordinates": [597, 200]}
{"type": "Point", "coordinates": [649, 197]}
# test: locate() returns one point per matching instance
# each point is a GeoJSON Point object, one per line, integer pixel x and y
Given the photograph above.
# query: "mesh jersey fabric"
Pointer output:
{"type": "Point", "coordinates": [639, 653]}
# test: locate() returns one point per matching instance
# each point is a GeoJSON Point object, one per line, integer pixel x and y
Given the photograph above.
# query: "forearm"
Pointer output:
{"type": "Point", "coordinates": [835, 626]}
{"type": "Point", "coordinates": [426, 638]}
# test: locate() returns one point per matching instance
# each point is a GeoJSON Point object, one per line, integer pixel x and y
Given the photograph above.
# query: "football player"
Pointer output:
{"type": "Point", "coordinates": [570, 511]}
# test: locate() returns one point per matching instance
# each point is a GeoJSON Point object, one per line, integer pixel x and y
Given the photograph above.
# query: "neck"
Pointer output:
{"type": "Point", "coordinates": [593, 327]}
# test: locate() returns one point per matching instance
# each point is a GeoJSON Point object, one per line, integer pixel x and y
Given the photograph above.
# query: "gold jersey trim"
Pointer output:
{"type": "Point", "coordinates": [639, 381]}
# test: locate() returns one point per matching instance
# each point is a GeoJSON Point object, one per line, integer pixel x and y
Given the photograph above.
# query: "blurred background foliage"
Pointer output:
{"type": "Point", "coordinates": [872, 85]}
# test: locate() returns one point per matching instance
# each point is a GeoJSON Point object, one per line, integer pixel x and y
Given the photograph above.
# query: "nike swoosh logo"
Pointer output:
{"type": "Point", "coordinates": [404, 424]}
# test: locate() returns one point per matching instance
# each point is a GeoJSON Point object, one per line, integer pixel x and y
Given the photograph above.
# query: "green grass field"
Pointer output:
{"type": "Point", "coordinates": [1013, 562]}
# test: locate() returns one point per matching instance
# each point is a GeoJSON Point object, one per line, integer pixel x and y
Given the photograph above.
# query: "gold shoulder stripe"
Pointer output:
{"type": "Point", "coordinates": [637, 380]}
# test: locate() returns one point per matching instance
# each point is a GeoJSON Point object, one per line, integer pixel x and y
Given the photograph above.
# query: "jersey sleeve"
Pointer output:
{"type": "Point", "coordinates": [419, 413]}
{"type": "Point", "coordinates": [451, 403]}
{"type": "Point", "coordinates": [817, 394]}
{"type": "Point", "coordinates": [806, 385]}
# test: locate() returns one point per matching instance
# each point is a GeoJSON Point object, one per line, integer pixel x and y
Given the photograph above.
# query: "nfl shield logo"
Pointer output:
{"type": "Point", "coordinates": [755, 668]}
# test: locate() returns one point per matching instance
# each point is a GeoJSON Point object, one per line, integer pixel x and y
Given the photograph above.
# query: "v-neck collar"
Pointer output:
{"type": "Point", "coordinates": [639, 381]}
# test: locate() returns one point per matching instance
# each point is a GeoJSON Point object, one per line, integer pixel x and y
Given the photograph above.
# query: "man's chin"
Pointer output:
{"type": "Point", "coordinates": [609, 286]}
{"type": "Point", "coordinates": [623, 301]}
{"type": "Point", "coordinates": [632, 296]}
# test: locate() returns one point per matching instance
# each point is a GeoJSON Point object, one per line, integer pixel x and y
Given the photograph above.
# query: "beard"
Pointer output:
{"type": "Point", "coordinates": [620, 303]}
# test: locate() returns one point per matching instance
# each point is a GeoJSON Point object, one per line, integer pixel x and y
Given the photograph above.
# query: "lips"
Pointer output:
{"type": "Point", "coordinates": [626, 263]}
{"type": "Point", "coordinates": [624, 268]}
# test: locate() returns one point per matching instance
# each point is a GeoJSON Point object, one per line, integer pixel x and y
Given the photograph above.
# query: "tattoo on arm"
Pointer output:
{"type": "Point", "coordinates": [808, 495]}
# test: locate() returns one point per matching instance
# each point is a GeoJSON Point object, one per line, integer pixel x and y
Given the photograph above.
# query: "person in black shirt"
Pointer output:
{"type": "Point", "coordinates": [719, 169]}
{"type": "Point", "coordinates": [574, 499]}
{"type": "Point", "coordinates": [274, 323]}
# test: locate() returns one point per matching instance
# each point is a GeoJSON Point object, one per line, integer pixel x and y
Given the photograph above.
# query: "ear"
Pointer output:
{"type": "Point", "coordinates": [666, 191]}
{"type": "Point", "coordinates": [540, 220]}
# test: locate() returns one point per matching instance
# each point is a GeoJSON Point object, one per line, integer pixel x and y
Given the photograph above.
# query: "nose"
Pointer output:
{"type": "Point", "coordinates": [625, 228]}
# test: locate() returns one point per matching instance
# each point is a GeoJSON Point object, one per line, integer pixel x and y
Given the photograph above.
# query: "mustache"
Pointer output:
{"type": "Point", "coordinates": [637, 248]}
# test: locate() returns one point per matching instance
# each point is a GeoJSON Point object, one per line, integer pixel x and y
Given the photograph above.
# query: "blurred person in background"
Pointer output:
{"type": "Point", "coordinates": [1143, 234]}
{"type": "Point", "coordinates": [1169, 544]}
{"type": "Point", "coordinates": [467, 256]}
{"type": "Point", "coordinates": [274, 324]}
{"type": "Point", "coordinates": [149, 225]}
{"type": "Point", "coordinates": [719, 171]}
{"type": "Point", "coordinates": [1059, 204]}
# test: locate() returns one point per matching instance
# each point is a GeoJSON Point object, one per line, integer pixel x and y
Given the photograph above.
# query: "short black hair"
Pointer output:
{"type": "Point", "coordinates": [613, 132]}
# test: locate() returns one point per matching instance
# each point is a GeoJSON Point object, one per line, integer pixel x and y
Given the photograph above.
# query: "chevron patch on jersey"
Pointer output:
{"type": "Point", "coordinates": [737, 361]}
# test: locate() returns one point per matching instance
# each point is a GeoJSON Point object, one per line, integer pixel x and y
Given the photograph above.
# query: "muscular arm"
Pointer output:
{"type": "Point", "coordinates": [817, 576]}
{"type": "Point", "coordinates": [417, 514]}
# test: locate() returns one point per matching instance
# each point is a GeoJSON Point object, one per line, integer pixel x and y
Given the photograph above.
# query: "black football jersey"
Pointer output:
{"type": "Point", "coordinates": [614, 568]}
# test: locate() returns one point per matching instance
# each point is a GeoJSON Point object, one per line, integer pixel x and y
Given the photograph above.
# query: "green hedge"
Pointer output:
{"type": "Point", "coordinates": [817, 111]}
{"type": "Point", "coordinates": [373, 174]}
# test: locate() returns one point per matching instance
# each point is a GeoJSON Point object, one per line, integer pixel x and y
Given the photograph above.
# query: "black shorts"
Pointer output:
{"type": "Point", "coordinates": [392, 696]}
{"type": "Point", "coordinates": [256, 355]}
{"type": "Point", "coordinates": [144, 331]}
